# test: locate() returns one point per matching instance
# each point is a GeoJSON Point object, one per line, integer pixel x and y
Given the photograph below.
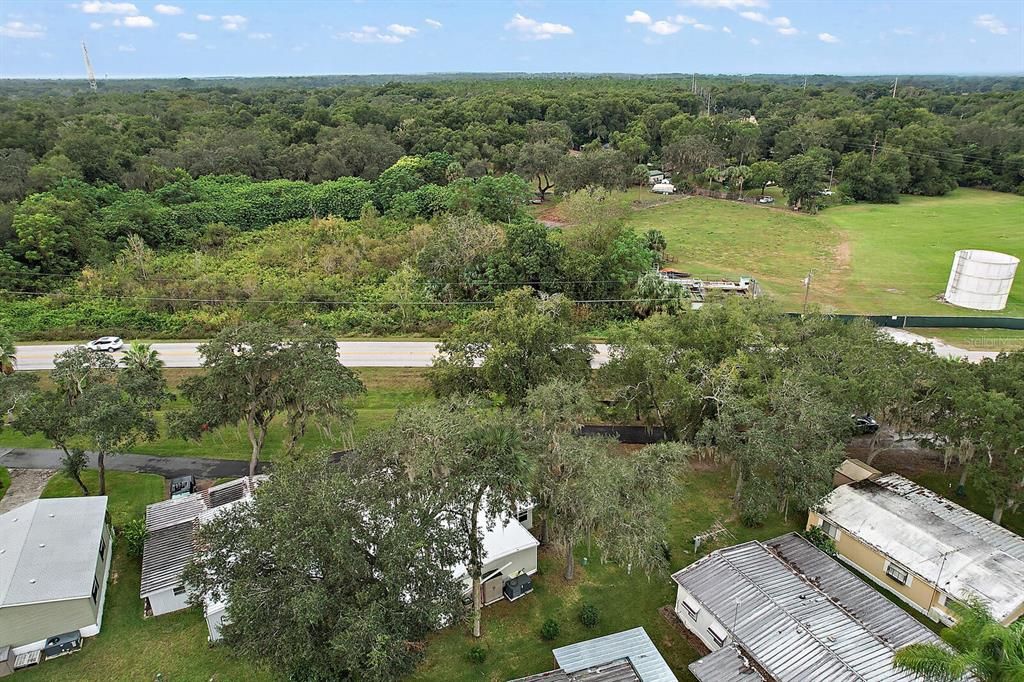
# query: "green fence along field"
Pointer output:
{"type": "Point", "coordinates": [865, 258]}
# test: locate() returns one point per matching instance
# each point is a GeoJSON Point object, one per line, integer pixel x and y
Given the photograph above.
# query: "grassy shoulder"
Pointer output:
{"type": "Point", "coordinates": [976, 339]}
{"type": "Point", "coordinates": [387, 389]}
{"type": "Point", "coordinates": [130, 647]}
{"type": "Point", "coordinates": [5, 481]}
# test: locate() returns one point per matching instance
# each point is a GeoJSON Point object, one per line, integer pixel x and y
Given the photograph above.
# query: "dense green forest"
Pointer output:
{"type": "Point", "coordinates": [148, 206]}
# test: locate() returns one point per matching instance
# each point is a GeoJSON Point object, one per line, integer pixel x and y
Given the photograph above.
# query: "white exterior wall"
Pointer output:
{"type": "Point", "coordinates": [523, 561]}
{"type": "Point", "coordinates": [703, 622]}
{"type": "Point", "coordinates": [214, 619]}
{"type": "Point", "coordinates": [165, 601]}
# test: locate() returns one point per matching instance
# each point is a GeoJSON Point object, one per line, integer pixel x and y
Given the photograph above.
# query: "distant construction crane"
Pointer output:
{"type": "Point", "coordinates": [90, 74]}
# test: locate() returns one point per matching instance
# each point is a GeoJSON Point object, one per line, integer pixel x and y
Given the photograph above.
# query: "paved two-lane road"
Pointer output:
{"type": "Point", "coordinates": [404, 353]}
{"type": "Point", "coordinates": [351, 353]}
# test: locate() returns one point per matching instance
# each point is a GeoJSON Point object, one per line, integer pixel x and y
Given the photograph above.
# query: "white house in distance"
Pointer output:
{"type": "Point", "coordinates": [169, 547]}
{"type": "Point", "coordinates": [55, 559]}
{"type": "Point", "coordinates": [783, 611]}
{"type": "Point", "coordinates": [922, 547]}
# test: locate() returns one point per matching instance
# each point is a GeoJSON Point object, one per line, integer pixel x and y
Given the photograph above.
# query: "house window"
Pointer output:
{"type": "Point", "coordinates": [897, 573]}
{"type": "Point", "coordinates": [103, 547]}
{"type": "Point", "coordinates": [692, 608]}
{"type": "Point", "coordinates": [716, 635]}
{"type": "Point", "coordinates": [522, 516]}
{"type": "Point", "coordinates": [95, 588]}
{"type": "Point", "coordinates": [828, 529]}
{"type": "Point", "coordinates": [179, 590]}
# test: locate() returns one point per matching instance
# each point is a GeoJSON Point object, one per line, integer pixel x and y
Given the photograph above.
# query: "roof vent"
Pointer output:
{"type": "Point", "coordinates": [51, 515]}
{"type": "Point", "coordinates": [32, 581]}
{"type": "Point", "coordinates": [42, 544]}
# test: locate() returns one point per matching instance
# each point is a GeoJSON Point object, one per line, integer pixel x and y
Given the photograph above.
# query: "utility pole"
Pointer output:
{"type": "Point", "coordinates": [88, 68]}
{"type": "Point", "coordinates": [807, 289]}
{"type": "Point", "coordinates": [895, 83]}
{"type": "Point", "coordinates": [805, 83]}
{"type": "Point", "coordinates": [831, 174]}
{"type": "Point", "coordinates": [874, 145]}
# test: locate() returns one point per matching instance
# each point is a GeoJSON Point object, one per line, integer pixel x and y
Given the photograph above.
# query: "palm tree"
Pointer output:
{"type": "Point", "coordinates": [141, 356]}
{"type": "Point", "coordinates": [7, 359]}
{"type": "Point", "coordinates": [977, 646]}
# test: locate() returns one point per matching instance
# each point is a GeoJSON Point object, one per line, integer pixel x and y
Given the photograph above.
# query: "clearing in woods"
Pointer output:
{"type": "Point", "coordinates": [865, 258]}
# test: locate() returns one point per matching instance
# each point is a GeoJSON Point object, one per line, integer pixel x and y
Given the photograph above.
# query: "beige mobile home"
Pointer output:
{"type": "Point", "coordinates": [924, 548]}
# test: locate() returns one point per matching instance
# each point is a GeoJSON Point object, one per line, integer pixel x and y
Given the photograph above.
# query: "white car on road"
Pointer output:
{"type": "Point", "coordinates": [107, 343]}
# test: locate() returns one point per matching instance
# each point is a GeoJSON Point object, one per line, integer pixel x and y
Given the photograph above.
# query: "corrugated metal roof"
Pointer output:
{"type": "Point", "coordinates": [172, 512]}
{"type": "Point", "coordinates": [934, 538]}
{"type": "Point", "coordinates": [170, 525]}
{"type": "Point", "coordinates": [774, 599]}
{"type": "Point", "coordinates": [633, 646]}
{"type": "Point", "coordinates": [166, 553]}
{"type": "Point", "coordinates": [48, 549]}
{"type": "Point", "coordinates": [728, 664]}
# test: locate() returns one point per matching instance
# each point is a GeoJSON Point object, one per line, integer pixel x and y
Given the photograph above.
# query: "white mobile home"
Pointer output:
{"type": "Point", "coordinates": [168, 547]}
{"type": "Point", "coordinates": [782, 610]}
{"type": "Point", "coordinates": [510, 551]}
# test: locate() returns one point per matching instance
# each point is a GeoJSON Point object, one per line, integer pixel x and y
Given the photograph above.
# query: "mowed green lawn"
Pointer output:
{"type": "Point", "coordinates": [900, 255]}
{"type": "Point", "coordinates": [865, 258]}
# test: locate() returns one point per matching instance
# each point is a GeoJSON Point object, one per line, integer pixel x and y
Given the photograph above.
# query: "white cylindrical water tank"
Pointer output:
{"type": "Point", "coordinates": [981, 279]}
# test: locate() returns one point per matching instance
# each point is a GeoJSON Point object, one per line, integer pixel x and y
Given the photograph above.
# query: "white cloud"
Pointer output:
{"type": "Point", "coordinates": [169, 10]}
{"type": "Point", "coordinates": [703, 27]}
{"type": "Point", "coordinates": [638, 17]}
{"type": "Point", "coordinates": [188, 36]}
{"type": "Point", "coordinates": [781, 24]}
{"type": "Point", "coordinates": [827, 38]}
{"type": "Point", "coordinates": [204, 17]}
{"type": "Point", "coordinates": [728, 4]}
{"type": "Point", "coordinates": [531, 29]}
{"type": "Point", "coordinates": [233, 22]}
{"type": "Point", "coordinates": [755, 41]}
{"type": "Point", "coordinates": [126, 48]}
{"type": "Point", "coordinates": [433, 23]}
{"type": "Point", "coordinates": [903, 31]}
{"type": "Point", "coordinates": [991, 23]}
{"type": "Point", "coordinates": [664, 28]}
{"type": "Point", "coordinates": [726, 29]}
{"type": "Point", "coordinates": [260, 36]}
{"type": "Point", "coordinates": [139, 21]}
{"type": "Point", "coordinates": [400, 30]}
{"type": "Point", "coordinates": [95, 25]}
{"type": "Point", "coordinates": [683, 19]}
{"type": "Point", "coordinates": [18, 29]}
{"type": "Point", "coordinates": [370, 34]}
{"type": "Point", "coordinates": [97, 7]}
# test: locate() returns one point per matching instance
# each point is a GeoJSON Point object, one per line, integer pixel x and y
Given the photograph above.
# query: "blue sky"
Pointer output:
{"type": "Point", "coordinates": [208, 38]}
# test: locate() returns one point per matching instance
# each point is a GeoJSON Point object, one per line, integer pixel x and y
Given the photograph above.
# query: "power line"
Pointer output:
{"type": "Point", "coordinates": [243, 301]}
{"type": "Point", "coordinates": [161, 280]}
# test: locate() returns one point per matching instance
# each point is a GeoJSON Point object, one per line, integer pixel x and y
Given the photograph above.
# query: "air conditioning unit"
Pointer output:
{"type": "Point", "coordinates": [61, 645]}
